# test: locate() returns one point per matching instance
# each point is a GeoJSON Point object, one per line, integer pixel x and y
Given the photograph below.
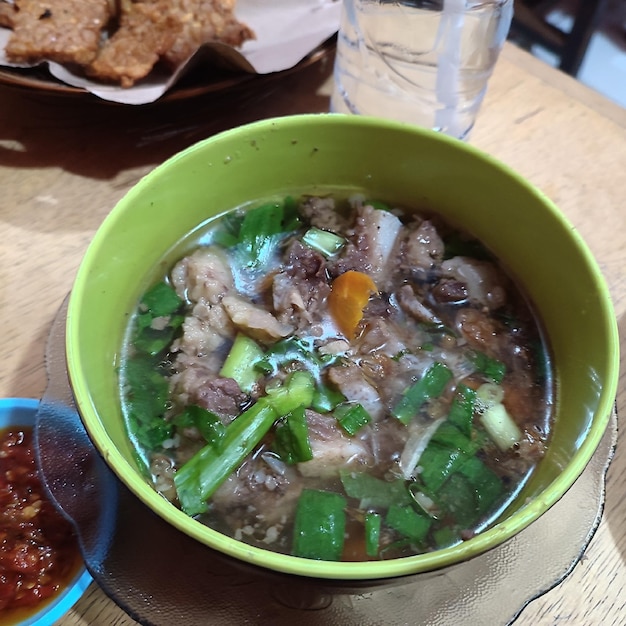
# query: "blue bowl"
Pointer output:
{"type": "Point", "coordinates": [23, 412]}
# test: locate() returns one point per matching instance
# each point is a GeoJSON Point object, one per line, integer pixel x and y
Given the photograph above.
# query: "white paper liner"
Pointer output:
{"type": "Point", "coordinates": [286, 32]}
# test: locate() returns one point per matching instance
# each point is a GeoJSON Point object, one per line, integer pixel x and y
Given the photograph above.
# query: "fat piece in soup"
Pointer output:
{"type": "Point", "coordinates": [337, 379]}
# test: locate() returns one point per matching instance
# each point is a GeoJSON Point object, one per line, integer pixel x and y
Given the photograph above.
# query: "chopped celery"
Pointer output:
{"type": "Point", "coordinates": [352, 417]}
{"type": "Point", "coordinates": [500, 426]}
{"type": "Point", "coordinates": [260, 231]}
{"type": "Point", "coordinates": [294, 349]}
{"type": "Point", "coordinates": [292, 438]}
{"type": "Point", "coordinates": [319, 525]}
{"type": "Point", "coordinates": [462, 409]}
{"type": "Point", "coordinates": [488, 366]}
{"type": "Point", "coordinates": [374, 492]}
{"type": "Point", "coordinates": [161, 300]}
{"type": "Point", "coordinates": [198, 479]}
{"type": "Point", "coordinates": [207, 422]}
{"type": "Point", "coordinates": [240, 363]}
{"type": "Point", "coordinates": [323, 241]}
{"type": "Point", "coordinates": [408, 522]}
{"type": "Point", "coordinates": [152, 341]}
{"type": "Point", "coordinates": [431, 385]}
{"type": "Point", "coordinates": [146, 402]}
{"type": "Point", "coordinates": [156, 325]}
{"type": "Point", "coordinates": [372, 534]}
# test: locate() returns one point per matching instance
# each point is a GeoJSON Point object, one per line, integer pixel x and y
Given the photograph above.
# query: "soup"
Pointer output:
{"type": "Point", "coordinates": [337, 379]}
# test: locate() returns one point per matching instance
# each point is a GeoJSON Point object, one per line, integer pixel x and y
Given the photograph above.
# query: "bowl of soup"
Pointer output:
{"type": "Point", "coordinates": [341, 347]}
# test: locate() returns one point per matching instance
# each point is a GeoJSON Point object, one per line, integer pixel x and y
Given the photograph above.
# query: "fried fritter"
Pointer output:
{"type": "Point", "coordinates": [146, 32]}
{"type": "Point", "coordinates": [172, 30]}
{"type": "Point", "coordinates": [203, 21]}
{"type": "Point", "coordinates": [7, 14]}
{"type": "Point", "coordinates": [66, 31]}
{"type": "Point", "coordinates": [118, 41]}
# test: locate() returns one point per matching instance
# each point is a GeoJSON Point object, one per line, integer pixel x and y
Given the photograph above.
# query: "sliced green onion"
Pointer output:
{"type": "Point", "coordinates": [489, 394]}
{"type": "Point", "coordinates": [197, 480]}
{"type": "Point", "coordinates": [462, 409]}
{"type": "Point", "coordinates": [488, 487]}
{"type": "Point", "coordinates": [373, 523]}
{"type": "Point", "coordinates": [292, 438]}
{"type": "Point", "coordinates": [352, 417]}
{"type": "Point", "coordinates": [319, 525]}
{"type": "Point", "coordinates": [458, 501]}
{"type": "Point", "coordinates": [446, 452]}
{"type": "Point", "coordinates": [431, 385]}
{"type": "Point", "coordinates": [325, 398]}
{"type": "Point", "coordinates": [408, 522]}
{"type": "Point", "coordinates": [374, 492]}
{"type": "Point", "coordinates": [500, 426]}
{"type": "Point", "coordinates": [323, 241]}
{"type": "Point", "coordinates": [296, 391]}
{"type": "Point", "coordinates": [146, 402]}
{"type": "Point", "coordinates": [240, 363]}
{"type": "Point", "coordinates": [489, 367]}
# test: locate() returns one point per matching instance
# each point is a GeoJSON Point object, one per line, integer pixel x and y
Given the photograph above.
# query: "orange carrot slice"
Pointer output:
{"type": "Point", "coordinates": [349, 294]}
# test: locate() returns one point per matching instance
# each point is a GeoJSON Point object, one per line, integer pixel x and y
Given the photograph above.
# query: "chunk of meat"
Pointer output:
{"type": "Point", "coordinates": [422, 249]}
{"type": "Point", "coordinates": [414, 307]}
{"type": "Point", "coordinates": [201, 336]}
{"type": "Point", "coordinates": [203, 276]}
{"type": "Point", "coordinates": [195, 385]}
{"type": "Point", "coordinates": [332, 448]}
{"type": "Point", "coordinates": [259, 494]}
{"type": "Point", "coordinates": [371, 245]}
{"type": "Point", "coordinates": [322, 213]}
{"type": "Point", "coordinates": [352, 383]}
{"type": "Point", "coordinates": [301, 289]}
{"type": "Point", "coordinates": [484, 282]}
{"type": "Point", "coordinates": [66, 31]}
{"type": "Point", "coordinates": [255, 320]}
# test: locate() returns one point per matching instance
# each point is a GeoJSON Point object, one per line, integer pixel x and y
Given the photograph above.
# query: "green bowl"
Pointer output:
{"type": "Point", "coordinates": [395, 162]}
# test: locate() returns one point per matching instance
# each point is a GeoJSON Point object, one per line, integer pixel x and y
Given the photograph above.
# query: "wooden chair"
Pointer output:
{"type": "Point", "coordinates": [530, 27]}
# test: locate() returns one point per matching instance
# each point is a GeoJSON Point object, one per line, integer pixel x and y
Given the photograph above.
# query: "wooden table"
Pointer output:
{"type": "Point", "coordinates": [65, 162]}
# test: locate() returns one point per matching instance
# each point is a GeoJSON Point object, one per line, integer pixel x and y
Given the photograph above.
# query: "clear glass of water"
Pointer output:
{"type": "Point", "coordinates": [426, 62]}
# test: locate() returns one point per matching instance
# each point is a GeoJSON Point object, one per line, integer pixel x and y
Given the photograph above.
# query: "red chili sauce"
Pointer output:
{"type": "Point", "coordinates": [39, 551]}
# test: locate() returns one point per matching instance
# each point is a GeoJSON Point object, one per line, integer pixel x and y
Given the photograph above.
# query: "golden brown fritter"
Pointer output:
{"type": "Point", "coordinates": [146, 32]}
{"type": "Point", "coordinates": [203, 21]}
{"type": "Point", "coordinates": [119, 41]}
{"type": "Point", "coordinates": [7, 14]}
{"type": "Point", "coordinates": [66, 31]}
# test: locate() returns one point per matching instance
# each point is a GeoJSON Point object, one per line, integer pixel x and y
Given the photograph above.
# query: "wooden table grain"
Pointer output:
{"type": "Point", "coordinates": [64, 162]}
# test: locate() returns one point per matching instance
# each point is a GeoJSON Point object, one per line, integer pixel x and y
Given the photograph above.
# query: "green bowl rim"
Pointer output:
{"type": "Point", "coordinates": [370, 570]}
